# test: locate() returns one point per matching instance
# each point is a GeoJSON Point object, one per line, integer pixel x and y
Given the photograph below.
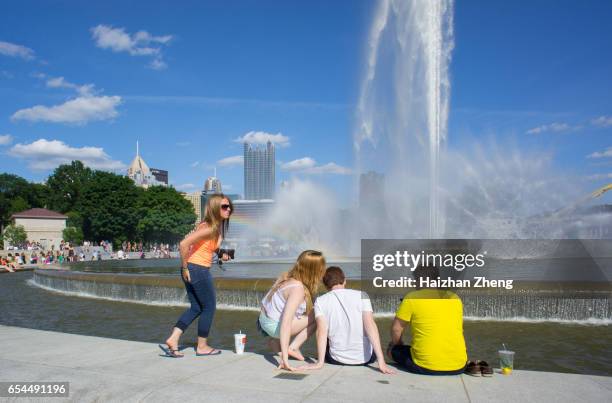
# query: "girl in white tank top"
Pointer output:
{"type": "Point", "coordinates": [286, 310]}
{"type": "Point", "coordinates": [273, 307]}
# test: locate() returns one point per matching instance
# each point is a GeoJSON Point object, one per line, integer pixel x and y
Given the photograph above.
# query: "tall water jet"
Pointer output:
{"type": "Point", "coordinates": [402, 114]}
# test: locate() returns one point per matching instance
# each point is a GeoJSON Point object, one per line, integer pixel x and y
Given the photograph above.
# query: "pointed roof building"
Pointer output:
{"type": "Point", "coordinates": [138, 165]}
{"type": "Point", "coordinates": [140, 172]}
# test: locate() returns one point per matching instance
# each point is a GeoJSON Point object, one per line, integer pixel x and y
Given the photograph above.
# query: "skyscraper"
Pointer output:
{"type": "Point", "coordinates": [212, 185]}
{"type": "Point", "coordinates": [259, 171]}
{"type": "Point", "coordinates": [373, 217]}
{"type": "Point", "coordinates": [161, 175]}
{"type": "Point", "coordinates": [197, 203]}
{"type": "Point", "coordinates": [139, 172]}
{"type": "Point", "coordinates": [371, 189]}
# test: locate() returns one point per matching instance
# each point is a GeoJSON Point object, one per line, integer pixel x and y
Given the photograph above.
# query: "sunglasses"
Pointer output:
{"type": "Point", "coordinates": [225, 207]}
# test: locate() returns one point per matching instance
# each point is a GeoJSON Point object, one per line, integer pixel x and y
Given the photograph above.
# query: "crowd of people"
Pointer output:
{"type": "Point", "coordinates": [159, 251]}
{"type": "Point", "coordinates": [29, 246]}
{"type": "Point", "coordinates": [36, 253]}
{"type": "Point", "coordinates": [15, 260]}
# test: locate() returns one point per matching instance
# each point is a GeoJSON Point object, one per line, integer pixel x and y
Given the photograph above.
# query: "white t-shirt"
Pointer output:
{"type": "Point", "coordinates": [343, 311]}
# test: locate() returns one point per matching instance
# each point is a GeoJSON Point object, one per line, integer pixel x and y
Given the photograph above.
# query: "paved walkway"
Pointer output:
{"type": "Point", "coordinates": [102, 369]}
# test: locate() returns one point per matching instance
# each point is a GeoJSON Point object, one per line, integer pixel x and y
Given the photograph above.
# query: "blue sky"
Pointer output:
{"type": "Point", "coordinates": [188, 81]}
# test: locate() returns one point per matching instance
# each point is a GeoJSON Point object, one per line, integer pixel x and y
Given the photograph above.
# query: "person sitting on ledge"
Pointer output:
{"type": "Point", "coordinates": [5, 264]}
{"type": "Point", "coordinates": [286, 310]}
{"type": "Point", "coordinates": [346, 331]}
{"type": "Point", "coordinates": [435, 317]}
{"type": "Point", "coordinates": [12, 262]}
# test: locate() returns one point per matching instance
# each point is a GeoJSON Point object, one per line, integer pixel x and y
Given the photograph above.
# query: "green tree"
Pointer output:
{"type": "Point", "coordinates": [74, 235]}
{"type": "Point", "coordinates": [17, 194]}
{"type": "Point", "coordinates": [108, 207]}
{"type": "Point", "coordinates": [74, 219]}
{"type": "Point", "coordinates": [66, 184]}
{"type": "Point", "coordinates": [15, 235]}
{"type": "Point", "coordinates": [39, 195]}
{"type": "Point", "coordinates": [19, 204]}
{"type": "Point", "coordinates": [165, 215]}
{"type": "Point", "coordinates": [11, 188]}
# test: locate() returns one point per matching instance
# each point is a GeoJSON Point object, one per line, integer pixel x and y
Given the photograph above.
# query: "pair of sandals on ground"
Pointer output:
{"type": "Point", "coordinates": [177, 353]}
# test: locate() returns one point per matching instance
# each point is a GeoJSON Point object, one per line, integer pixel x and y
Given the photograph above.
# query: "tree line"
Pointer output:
{"type": "Point", "coordinates": [101, 205]}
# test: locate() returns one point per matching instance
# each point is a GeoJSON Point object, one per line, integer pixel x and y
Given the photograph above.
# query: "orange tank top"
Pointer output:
{"type": "Point", "coordinates": [202, 252]}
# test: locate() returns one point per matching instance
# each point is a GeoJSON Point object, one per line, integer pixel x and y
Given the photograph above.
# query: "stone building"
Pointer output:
{"type": "Point", "coordinates": [41, 225]}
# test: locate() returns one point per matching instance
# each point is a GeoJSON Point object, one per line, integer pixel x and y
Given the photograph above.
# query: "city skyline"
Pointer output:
{"type": "Point", "coordinates": [194, 91]}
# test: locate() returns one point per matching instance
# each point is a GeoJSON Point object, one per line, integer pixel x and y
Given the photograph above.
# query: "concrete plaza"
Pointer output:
{"type": "Point", "coordinates": [100, 369]}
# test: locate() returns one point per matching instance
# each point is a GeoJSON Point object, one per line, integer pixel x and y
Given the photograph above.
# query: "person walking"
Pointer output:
{"type": "Point", "coordinates": [197, 250]}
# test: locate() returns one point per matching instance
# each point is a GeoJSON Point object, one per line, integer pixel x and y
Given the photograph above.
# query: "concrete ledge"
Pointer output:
{"type": "Point", "coordinates": [100, 369]}
{"type": "Point", "coordinates": [24, 267]}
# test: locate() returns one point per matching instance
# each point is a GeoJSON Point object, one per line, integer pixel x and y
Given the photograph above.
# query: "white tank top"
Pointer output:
{"type": "Point", "coordinates": [274, 306]}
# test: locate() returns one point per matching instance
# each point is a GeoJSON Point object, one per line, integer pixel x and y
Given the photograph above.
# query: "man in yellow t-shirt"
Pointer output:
{"type": "Point", "coordinates": [436, 324]}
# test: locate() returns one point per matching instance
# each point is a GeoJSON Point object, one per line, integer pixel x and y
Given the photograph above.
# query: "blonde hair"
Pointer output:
{"type": "Point", "coordinates": [309, 270]}
{"type": "Point", "coordinates": [212, 214]}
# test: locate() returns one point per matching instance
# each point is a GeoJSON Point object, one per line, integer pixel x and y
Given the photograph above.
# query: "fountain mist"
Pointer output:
{"type": "Point", "coordinates": [402, 111]}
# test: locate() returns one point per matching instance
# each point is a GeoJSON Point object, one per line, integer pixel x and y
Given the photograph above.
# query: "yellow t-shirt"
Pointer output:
{"type": "Point", "coordinates": [436, 324]}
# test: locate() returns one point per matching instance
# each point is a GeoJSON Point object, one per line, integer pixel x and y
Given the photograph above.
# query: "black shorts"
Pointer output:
{"type": "Point", "coordinates": [330, 360]}
{"type": "Point", "coordinates": [402, 356]}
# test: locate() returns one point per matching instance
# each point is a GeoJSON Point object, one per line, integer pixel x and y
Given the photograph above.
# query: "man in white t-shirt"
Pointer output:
{"type": "Point", "coordinates": [346, 331]}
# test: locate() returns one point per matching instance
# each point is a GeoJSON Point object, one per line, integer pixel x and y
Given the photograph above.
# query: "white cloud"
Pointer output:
{"type": "Point", "coordinates": [60, 82]}
{"type": "Point", "coordinates": [308, 165]}
{"type": "Point", "coordinates": [6, 74]}
{"type": "Point", "coordinates": [602, 154]}
{"type": "Point", "coordinates": [186, 186]}
{"type": "Point", "coordinates": [45, 154]}
{"type": "Point", "coordinates": [602, 121]}
{"type": "Point", "coordinates": [194, 164]}
{"type": "Point", "coordinates": [554, 127]}
{"type": "Point", "coordinates": [299, 164]}
{"type": "Point", "coordinates": [254, 137]}
{"type": "Point", "coordinates": [141, 43]}
{"type": "Point", "coordinates": [158, 64]}
{"type": "Point", "coordinates": [330, 168]}
{"type": "Point", "coordinates": [183, 143]}
{"type": "Point", "coordinates": [13, 50]}
{"type": "Point", "coordinates": [80, 110]}
{"type": "Point", "coordinates": [75, 111]}
{"type": "Point", "coordinates": [5, 139]}
{"type": "Point", "coordinates": [231, 161]}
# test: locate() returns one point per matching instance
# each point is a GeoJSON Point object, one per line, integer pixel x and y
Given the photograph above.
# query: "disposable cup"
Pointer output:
{"type": "Point", "coordinates": [506, 361]}
{"type": "Point", "coordinates": [239, 342]}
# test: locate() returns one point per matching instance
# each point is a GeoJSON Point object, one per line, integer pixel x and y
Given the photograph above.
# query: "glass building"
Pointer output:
{"type": "Point", "coordinates": [248, 217]}
{"type": "Point", "coordinates": [259, 171]}
{"type": "Point", "coordinates": [161, 175]}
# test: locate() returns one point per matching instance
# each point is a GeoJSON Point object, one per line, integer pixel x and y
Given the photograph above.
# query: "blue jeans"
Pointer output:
{"type": "Point", "coordinates": [202, 295]}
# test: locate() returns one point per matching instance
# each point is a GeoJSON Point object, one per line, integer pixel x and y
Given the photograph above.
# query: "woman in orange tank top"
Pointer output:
{"type": "Point", "coordinates": [197, 251]}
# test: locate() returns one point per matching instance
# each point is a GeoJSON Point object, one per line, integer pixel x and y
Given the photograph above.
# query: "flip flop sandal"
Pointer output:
{"type": "Point", "coordinates": [214, 351]}
{"type": "Point", "coordinates": [485, 368]}
{"type": "Point", "coordinates": [170, 352]}
{"type": "Point", "coordinates": [473, 369]}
